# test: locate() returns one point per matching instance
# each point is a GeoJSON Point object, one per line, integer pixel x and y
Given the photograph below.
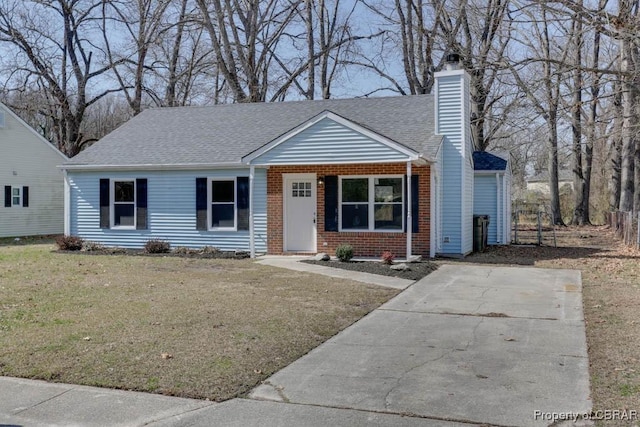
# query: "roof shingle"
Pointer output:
{"type": "Point", "coordinates": [225, 133]}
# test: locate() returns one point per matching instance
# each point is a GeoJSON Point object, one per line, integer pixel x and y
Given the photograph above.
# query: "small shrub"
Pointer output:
{"type": "Point", "coordinates": [387, 257]}
{"type": "Point", "coordinates": [69, 243]}
{"type": "Point", "coordinates": [90, 246]}
{"type": "Point", "coordinates": [156, 246]}
{"type": "Point", "coordinates": [344, 252]}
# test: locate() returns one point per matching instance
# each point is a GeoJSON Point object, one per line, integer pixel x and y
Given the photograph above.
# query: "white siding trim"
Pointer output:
{"type": "Point", "coordinates": [252, 237]}
{"type": "Point", "coordinates": [409, 222]}
{"type": "Point", "coordinates": [67, 205]}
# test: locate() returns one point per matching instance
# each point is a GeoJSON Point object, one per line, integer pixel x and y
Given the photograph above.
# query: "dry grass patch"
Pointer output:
{"type": "Point", "coordinates": [611, 298]}
{"type": "Point", "coordinates": [186, 327]}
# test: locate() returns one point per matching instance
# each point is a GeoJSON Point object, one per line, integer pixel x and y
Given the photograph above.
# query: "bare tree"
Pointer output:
{"type": "Point", "coordinates": [244, 36]}
{"type": "Point", "coordinates": [544, 92]}
{"type": "Point", "coordinates": [480, 31]}
{"type": "Point", "coordinates": [140, 23]}
{"type": "Point", "coordinates": [54, 53]}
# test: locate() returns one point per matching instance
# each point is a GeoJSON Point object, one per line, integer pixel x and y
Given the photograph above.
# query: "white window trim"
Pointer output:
{"type": "Point", "coordinates": [210, 202]}
{"type": "Point", "coordinates": [19, 204]}
{"type": "Point", "coordinates": [371, 203]}
{"type": "Point", "coordinates": [112, 202]}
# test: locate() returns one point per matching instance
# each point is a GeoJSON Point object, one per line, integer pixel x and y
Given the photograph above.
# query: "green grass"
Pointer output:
{"type": "Point", "coordinates": [106, 320]}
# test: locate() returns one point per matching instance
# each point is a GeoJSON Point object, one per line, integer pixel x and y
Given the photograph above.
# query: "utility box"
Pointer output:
{"type": "Point", "coordinates": [480, 232]}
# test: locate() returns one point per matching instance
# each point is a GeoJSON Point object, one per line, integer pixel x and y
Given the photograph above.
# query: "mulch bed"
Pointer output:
{"type": "Point", "coordinates": [179, 254]}
{"type": "Point", "coordinates": [417, 270]}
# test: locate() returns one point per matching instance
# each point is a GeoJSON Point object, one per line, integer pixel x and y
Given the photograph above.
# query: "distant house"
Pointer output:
{"type": "Point", "coordinates": [32, 184]}
{"type": "Point", "coordinates": [492, 195]}
{"type": "Point", "coordinates": [540, 181]}
{"type": "Point", "coordinates": [380, 174]}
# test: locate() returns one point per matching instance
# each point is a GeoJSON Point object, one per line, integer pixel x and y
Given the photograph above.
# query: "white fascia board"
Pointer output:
{"type": "Point", "coordinates": [411, 154]}
{"type": "Point", "coordinates": [178, 166]}
{"type": "Point", "coordinates": [33, 131]}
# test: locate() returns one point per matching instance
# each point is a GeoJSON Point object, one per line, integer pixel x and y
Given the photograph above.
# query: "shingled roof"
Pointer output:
{"type": "Point", "coordinates": [223, 134]}
{"type": "Point", "coordinates": [484, 161]}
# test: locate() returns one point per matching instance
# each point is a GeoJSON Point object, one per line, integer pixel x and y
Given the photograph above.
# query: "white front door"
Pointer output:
{"type": "Point", "coordinates": [300, 212]}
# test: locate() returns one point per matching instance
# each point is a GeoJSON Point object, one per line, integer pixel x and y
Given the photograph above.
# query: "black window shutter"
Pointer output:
{"type": "Point", "coordinates": [25, 197]}
{"type": "Point", "coordinates": [141, 204]}
{"type": "Point", "coordinates": [242, 202]}
{"type": "Point", "coordinates": [7, 196]}
{"type": "Point", "coordinates": [201, 204]}
{"type": "Point", "coordinates": [105, 222]}
{"type": "Point", "coordinates": [415, 203]}
{"type": "Point", "coordinates": [331, 203]}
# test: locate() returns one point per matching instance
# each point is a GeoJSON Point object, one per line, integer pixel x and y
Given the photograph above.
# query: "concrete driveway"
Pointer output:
{"type": "Point", "coordinates": [470, 344]}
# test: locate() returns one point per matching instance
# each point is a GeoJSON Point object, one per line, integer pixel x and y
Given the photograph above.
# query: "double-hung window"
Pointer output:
{"type": "Point", "coordinates": [124, 203]}
{"type": "Point", "coordinates": [223, 214]}
{"type": "Point", "coordinates": [374, 203]}
{"type": "Point", "coordinates": [16, 196]}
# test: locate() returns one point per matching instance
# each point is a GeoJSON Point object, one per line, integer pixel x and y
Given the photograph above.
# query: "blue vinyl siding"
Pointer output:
{"type": "Point", "coordinates": [485, 202]}
{"type": "Point", "coordinates": [328, 141]}
{"type": "Point", "coordinates": [457, 169]}
{"type": "Point", "coordinates": [171, 210]}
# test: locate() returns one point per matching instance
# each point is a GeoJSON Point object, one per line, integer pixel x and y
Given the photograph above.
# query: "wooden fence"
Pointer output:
{"type": "Point", "coordinates": [625, 225]}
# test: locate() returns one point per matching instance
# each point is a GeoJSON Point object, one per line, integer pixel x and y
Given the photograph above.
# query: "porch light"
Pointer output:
{"type": "Point", "coordinates": [321, 180]}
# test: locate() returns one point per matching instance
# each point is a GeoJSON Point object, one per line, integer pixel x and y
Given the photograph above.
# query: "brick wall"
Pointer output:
{"type": "Point", "coordinates": [366, 244]}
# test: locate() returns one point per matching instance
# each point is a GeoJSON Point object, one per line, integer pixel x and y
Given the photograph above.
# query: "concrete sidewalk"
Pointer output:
{"type": "Point", "coordinates": [466, 345]}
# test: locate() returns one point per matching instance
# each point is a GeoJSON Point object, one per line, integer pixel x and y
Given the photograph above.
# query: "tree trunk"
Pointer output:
{"type": "Point", "coordinates": [628, 133]}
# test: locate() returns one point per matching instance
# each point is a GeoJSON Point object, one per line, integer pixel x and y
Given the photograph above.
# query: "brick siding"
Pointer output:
{"type": "Point", "coordinates": [365, 244]}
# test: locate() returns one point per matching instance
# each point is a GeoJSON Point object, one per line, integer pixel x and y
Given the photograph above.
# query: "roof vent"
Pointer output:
{"type": "Point", "coordinates": [453, 61]}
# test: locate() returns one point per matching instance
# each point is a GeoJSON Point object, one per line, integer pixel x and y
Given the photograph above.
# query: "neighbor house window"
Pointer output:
{"type": "Point", "coordinates": [373, 203]}
{"type": "Point", "coordinates": [124, 203]}
{"type": "Point", "coordinates": [16, 196]}
{"type": "Point", "coordinates": [222, 212]}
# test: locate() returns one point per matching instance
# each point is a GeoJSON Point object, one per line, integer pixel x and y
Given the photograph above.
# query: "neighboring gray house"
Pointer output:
{"type": "Point", "coordinates": [381, 174]}
{"type": "Point", "coordinates": [492, 195]}
{"type": "Point", "coordinates": [31, 184]}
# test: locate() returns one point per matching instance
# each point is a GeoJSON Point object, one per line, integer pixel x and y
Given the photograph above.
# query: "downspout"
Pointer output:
{"type": "Point", "coordinates": [409, 221]}
{"type": "Point", "coordinates": [433, 221]}
{"type": "Point", "coordinates": [252, 240]}
{"type": "Point", "coordinates": [67, 203]}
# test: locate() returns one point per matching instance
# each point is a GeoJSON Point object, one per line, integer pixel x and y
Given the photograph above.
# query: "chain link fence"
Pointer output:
{"type": "Point", "coordinates": [533, 224]}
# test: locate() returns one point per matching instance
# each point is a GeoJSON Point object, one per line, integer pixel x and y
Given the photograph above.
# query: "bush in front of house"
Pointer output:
{"type": "Point", "coordinates": [344, 252]}
{"type": "Point", "coordinates": [157, 246]}
{"type": "Point", "coordinates": [387, 257]}
{"type": "Point", "coordinates": [69, 243]}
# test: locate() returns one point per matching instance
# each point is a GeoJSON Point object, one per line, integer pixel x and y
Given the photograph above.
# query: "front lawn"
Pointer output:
{"type": "Point", "coordinates": [179, 326]}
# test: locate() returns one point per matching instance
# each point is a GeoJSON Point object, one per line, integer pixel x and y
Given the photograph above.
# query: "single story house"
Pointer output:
{"type": "Point", "coordinates": [492, 194]}
{"type": "Point", "coordinates": [31, 183]}
{"type": "Point", "coordinates": [392, 173]}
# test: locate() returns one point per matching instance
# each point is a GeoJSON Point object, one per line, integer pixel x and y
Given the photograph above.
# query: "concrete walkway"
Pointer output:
{"type": "Point", "coordinates": [466, 345]}
{"type": "Point", "coordinates": [293, 263]}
